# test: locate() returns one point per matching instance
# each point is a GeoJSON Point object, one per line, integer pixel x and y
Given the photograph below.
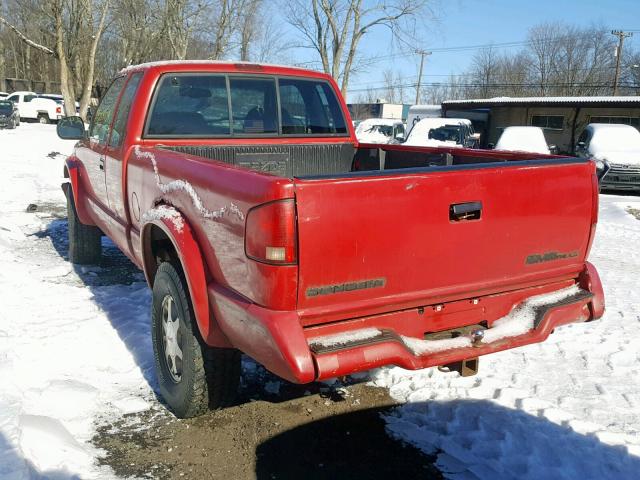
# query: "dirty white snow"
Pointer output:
{"type": "Point", "coordinates": [568, 408]}
{"type": "Point", "coordinates": [75, 353]}
{"type": "Point", "coordinates": [346, 337]}
{"type": "Point", "coordinates": [75, 348]}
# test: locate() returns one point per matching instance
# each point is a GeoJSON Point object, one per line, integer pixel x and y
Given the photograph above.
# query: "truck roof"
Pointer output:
{"type": "Point", "coordinates": [224, 66]}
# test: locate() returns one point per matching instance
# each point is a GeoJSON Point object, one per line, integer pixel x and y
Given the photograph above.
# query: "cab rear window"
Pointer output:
{"type": "Point", "coordinates": [213, 105]}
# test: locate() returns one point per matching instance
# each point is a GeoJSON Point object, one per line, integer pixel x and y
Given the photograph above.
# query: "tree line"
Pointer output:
{"type": "Point", "coordinates": [556, 59]}
{"type": "Point", "coordinates": [83, 43]}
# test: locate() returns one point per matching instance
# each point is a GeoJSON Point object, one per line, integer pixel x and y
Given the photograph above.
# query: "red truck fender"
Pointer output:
{"type": "Point", "coordinates": [179, 233]}
{"type": "Point", "coordinates": [72, 171]}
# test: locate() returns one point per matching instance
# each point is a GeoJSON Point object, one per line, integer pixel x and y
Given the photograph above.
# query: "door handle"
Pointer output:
{"type": "Point", "coordinates": [465, 211]}
{"type": "Point", "coordinates": [101, 163]}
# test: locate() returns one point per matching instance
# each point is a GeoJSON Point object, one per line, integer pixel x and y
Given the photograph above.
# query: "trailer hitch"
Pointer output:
{"type": "Point", "coordinates": [466, 368]}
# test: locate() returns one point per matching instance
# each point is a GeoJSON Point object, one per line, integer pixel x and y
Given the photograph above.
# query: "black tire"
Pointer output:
{"type": "Point", "coordinates": [85, 246]}
{"type": "Point", "coordinates": [43, 118]}
{"type": "Point", "coordinates": [204, 377]}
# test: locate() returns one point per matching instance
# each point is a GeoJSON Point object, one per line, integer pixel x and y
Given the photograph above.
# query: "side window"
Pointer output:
{"type": "Point", "coordinates": [253, 105]}
{"type": "Point", "coordinates": [190, 105]}
{"type": "Point", "coordinates": [28, 98]}
{"type": "Point", "coordinates": [119, 126]}
{"type": "Point", "coordinates": [14, 99]}
{"type": "Point", "coordinates": [309, 106]}
{"type": "Point", "coordinates": [101, 122]}
{"type": "Point", "coordinates": [293, 109]}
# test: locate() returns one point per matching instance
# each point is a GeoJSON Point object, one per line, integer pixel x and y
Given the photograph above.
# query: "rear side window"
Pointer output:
{"type": "Point", "coordinates": [99, 129]}
{"type": "Point", "coordinates": [253, 105]}
{"type": "Point", "coordinates": [309, 107]}
{"type": "Point", "coordinates": [120, 124]}
{"type": "Point", "coordinates": [28, 98]}
{"type": "Point", "coordinates": [190, 105]}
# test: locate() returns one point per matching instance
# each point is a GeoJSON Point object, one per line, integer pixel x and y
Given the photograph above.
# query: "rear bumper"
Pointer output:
{"type": "Point", "coordinates": [277, 340]}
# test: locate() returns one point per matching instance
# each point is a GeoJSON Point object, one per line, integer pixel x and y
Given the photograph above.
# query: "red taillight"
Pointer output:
{"type": "Point", "coordinates": [58, 110]}
{"type": "Point", "coordinates": [270, 235]}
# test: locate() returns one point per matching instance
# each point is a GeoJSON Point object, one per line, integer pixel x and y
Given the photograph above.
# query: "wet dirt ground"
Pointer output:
{"type": "Point", "coordinates": [275, 431]}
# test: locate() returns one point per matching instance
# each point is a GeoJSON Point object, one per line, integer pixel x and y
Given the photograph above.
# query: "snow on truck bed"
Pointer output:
{"type": "Point", "coordinates": [75, 353]}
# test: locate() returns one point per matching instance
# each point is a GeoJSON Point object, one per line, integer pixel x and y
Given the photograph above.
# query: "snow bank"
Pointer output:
{"type": "Point", "coordinates": [73, 354]}
{"type": "Point", "coordinates": [568, 408]}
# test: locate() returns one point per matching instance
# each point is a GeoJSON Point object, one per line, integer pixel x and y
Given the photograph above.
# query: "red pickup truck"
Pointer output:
{"type": "Point", "coordinates": [263, 227]}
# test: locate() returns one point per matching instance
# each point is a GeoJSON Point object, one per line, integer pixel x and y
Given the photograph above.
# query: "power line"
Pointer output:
{"type": "Point", "coordinates": [461, 48]}
{"type": "Point", "coordinates": [501, 85]}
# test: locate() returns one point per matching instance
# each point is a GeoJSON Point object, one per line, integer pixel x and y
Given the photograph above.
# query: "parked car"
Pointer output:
{"type": "Point", "coordinates": [525, 139]}
{"type": "Point", "coordinates": [619, 147]}
{"type": "Point", "coordinates": [238, 191]}
{"type": "Point", "coordinates": [443, 132]}
{"type": "Point", "coordinates": [380, 130]}
{"type": "Point", "coordinates": [44, 110]}
{"type": "Point", "coordinates": [9, 116]}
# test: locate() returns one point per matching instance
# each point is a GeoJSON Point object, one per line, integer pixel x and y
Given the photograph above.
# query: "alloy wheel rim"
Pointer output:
{"type": "Point", "coordinates": [172, 338]}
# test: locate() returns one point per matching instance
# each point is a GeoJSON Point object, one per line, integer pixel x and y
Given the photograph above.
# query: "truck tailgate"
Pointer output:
{"type": "Point", "coordinates": [396, 239]}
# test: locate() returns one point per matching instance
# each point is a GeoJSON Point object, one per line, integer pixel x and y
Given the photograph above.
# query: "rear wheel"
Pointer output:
{"type": "Point", "coordinates": [84, 240]}
{"type": "Point", "coordinates": [192, 376]}
{"type": "Point", "coordinates": [43, 118]}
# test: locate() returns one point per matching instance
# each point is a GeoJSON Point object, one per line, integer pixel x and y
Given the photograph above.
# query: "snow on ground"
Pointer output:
{"type": "Point", "coordinates": [74, 343]}
{"type": "Point", "coordinates": [568, 408]}
{"type": "Point", "coordinates": [75, 353]}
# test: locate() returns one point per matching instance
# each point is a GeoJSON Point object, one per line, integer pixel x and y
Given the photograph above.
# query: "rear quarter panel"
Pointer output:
{"type": "Point", "coordinates": [215, 199]}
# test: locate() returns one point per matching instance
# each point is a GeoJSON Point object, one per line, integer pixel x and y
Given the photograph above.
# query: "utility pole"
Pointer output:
{"type": "Point", "coordinates": [621, 36]}
{"type": "Point", "coordinates": [422, 54]}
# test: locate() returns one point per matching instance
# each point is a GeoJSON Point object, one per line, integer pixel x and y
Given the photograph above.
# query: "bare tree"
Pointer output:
{"type": "Point", "coordinates": [77, 29]}
{"type": "Point", "coordinates": [335, 28]}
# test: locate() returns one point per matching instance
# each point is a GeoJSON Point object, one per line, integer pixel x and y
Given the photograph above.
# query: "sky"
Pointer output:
{"type": "Point", "coordinates": [482, 22]}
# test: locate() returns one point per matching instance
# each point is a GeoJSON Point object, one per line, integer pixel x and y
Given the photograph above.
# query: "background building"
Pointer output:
{"type": "Point", "coordinates": [562, 118]}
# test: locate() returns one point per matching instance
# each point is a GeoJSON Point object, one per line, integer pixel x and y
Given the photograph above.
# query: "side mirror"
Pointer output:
{"type": "Point", "coordinates": [491, 146]}
{"type": "Point", "coordinates": [553, 149]}
{"type": "Point", "coordinates": [400, 137]}
{"type": "Point", "coordinates": [71, 128]}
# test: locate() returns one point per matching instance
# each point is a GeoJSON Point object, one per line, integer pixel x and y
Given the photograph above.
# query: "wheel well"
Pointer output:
{"type": "Point", "coordinates": [158, 248]}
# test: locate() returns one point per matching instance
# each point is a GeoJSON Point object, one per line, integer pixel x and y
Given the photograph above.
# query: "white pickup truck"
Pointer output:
{"type": "Point", "coordinates": [31, 107]}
